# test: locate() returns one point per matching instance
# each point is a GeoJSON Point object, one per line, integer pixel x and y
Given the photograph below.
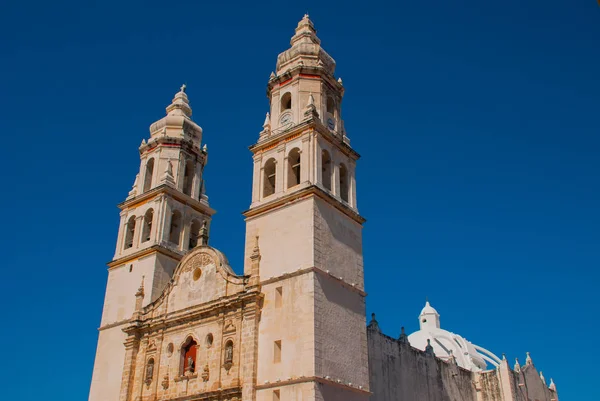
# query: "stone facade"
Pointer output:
{"type": "Point", "coordinates": [179, 324]}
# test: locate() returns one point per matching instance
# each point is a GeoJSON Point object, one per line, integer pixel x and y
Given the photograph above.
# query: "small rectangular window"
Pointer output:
{"type": "Point", "coordinates": [277, 351]}
{"type": "Point", "coordinates": [276, 395]}
{"type": "Point", "coordinates": [278, 297]}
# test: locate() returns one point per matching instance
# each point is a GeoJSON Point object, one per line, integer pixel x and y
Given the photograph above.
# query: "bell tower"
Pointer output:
{"type": "Point", "coordinates": [165, 215]}
{"type": "Point", "coordinates": [312, 332]}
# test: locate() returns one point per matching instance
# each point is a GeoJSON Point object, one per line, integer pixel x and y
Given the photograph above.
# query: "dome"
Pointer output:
{"type": "Point", "coordinates": [447, 345]}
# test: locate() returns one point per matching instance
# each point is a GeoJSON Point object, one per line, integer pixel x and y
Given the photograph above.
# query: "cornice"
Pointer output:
{"type": "Point", "coordinates": [311, 379]}
{"type": "Point", "coordinates": [187, 200]}
{"type": "Point", "coordinates": [312, 190]}
{"type": "Point", "coordinates": [167, 141]}
{"type": "Point", "coordinates": [194, 313]}
{"type": "Point", "coordinates": [297, 71]}
{"type": "Point", "coordinates": [223, 394]}
{"type": "Point", "coordinates": [115, 324]}
{"type": "Point", "coordinates": [306, 126]}
{"type": "Point", "coordinates": [319, 271]}
{"type": "Point", "coordinates": [144, 252]}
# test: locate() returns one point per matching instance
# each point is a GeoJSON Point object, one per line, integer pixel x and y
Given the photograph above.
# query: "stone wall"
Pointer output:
{"type": "Point", "coordinates": [401, 372]}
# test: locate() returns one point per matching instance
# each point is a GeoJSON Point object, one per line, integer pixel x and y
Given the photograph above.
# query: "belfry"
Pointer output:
{"type": "Point", "coordinates": [179, 324]}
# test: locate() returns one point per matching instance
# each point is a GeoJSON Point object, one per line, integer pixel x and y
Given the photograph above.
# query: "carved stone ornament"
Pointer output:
{"type": "Point", "coordinates": [199, 261]}
{"type": "Point", "coordinates": [206, 373]}
{"type": "Point", "coordinates": [165, 382]}
{"type": "Point", "coordinates": [229, 327]}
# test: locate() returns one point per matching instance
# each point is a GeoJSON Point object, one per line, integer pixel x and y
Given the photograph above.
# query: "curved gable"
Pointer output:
{"type": "Point", "coordinates": [202, 276]}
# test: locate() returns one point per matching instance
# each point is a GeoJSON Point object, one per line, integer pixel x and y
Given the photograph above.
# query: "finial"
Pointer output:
{"type": "Point", "coordinates": [183, 87]}
{"type": "Point", "coordinates": [143, 142]}
{"type": "Point", "coordinates": [256, 250]}
{"type": "Point", "coordinates": [272, 75]}
{"type": "Point", "coordinates": [267, 121]}
{"type": "Point", "coordinates": [133, 191]}
{"type": "Point", "coordinates": [373, 325]}
{"type": "Point", "coordinates": [517, 367]}
{"type": "Point", "coordinates": [340, 81]}
{"type": "Point", "coordinates": [306, 15]}
{"type": "Point", "coordinates": [552, 385]}
{"type": "Point", "coordinates": [542, 378]}
{"type": "Point", "coordinates": [403, 337]}
{"type": "Point", "coordinates": [429, 348]}
{"type": "Point", "coordinates": [503, 356]}
{"type": "Point", "coordinates": [452, 358]}
{"type": "Point", "coordinates": [528, 360]}
{"type": "Point", "coordinates": [311, 109]}
{"type": "Point", "coordinates": [205, 148]}
{"type": "Point", "coordinates": [203, 234]}
{"type": "Point", "coordinates": [140, 291]}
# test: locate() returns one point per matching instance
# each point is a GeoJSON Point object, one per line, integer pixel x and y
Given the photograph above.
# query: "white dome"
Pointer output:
{"type": "Point", "coordinates": [447, 345]}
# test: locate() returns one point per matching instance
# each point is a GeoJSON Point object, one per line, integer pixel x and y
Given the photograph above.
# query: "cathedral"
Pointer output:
{"type": "Point", "coordinates": [179, 324]}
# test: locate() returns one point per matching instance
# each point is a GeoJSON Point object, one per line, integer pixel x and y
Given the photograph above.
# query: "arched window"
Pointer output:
{"type": "Point", "coordinates": [188, 356]}
{"type": "Point", "coordinates": [330, 105]}
{"type": "Point", "coordinates": [147, 227]}
{"type": "Point", "coordinates": [148, 175]}
{"type": "Point", "coordinates": [326, 169]}
{"type": "Point", "coordinates": [194, 233]}
{"type": "Point", "coordinates": [343, 182]}
{"type": "Point", "coordinates": [188, 177]}
{"type": "Point", "coordinates": [269, 179]}
{"type": "Point", "coordinates": [129, 232]}
{"type": "Point", "coordinates": [149, 371]}
{"type": "Point", "coordinates": [293, 176]}
{"type": "Point", "coordinates": [286, 102]}
{"type": "Point", "coordinates": [175, 231]}
{"type": "Point", "coordinates": [228, 357]}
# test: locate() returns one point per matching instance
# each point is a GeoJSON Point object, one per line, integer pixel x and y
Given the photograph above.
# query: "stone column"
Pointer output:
{"type": "Point", "coordinates": [132, 346]}
{"type": "Point", "coordinates": [286, 168]}
{"type": "Point", "coordinates": [137, 235]}
{"type": "Point", "coordinates": [249, 351]}
{"type": "Point", "coordinates": [256, 178]}
{"type": "Point", "coordinates": [335, 179]}
{"type": "Point", "coordinates": [318, 163]}
{"type": "Point", "coordinates": [280, 161]}
{"type": "Point", "coordinates": [305, 160]}
{"type": "Point", "coordinates": [122, 224]}
{"type": "Point", "coordinates": [185, 233]}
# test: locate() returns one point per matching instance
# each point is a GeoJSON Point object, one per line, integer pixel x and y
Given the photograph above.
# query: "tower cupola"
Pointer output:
{"type": "Point", "coordinates": [306, 50]}
{"type": "Point", "coordinates": [429, 318]}
{"type": "Point", "coordinates": [178, 121]}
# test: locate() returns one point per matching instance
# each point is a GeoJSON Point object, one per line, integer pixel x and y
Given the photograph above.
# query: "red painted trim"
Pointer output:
{"type": "Point", "coordinates": [285, 82]}
{"type": "Point", "coordinates": [310, 76]}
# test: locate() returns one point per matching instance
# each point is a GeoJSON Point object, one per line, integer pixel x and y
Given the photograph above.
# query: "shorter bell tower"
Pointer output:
{"type": "Point", "coordinates": [165, 215]}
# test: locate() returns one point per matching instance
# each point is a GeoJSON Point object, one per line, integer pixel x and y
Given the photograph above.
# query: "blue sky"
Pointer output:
{"type": "Point", "coordinates": [477, 123]}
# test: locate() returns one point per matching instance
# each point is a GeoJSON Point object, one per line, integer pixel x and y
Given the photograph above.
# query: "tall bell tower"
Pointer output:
{"type": "Point", "coordinates": [165, 215]}
{"type": "Point", "coordinates": [312, 333]}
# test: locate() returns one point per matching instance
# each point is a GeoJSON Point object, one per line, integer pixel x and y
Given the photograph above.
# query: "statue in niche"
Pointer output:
{"type": "Point", "coordinates": [190, 363]}
{"type": "Point", "coordinates": [228, 355]}
{"type": "Point", "coordinates": [149, 371]}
